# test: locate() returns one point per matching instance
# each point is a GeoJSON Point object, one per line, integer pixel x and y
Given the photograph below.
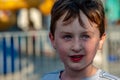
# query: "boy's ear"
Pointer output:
{"type": "Point", "coordinates": [102, 39]}
{"type": "Point", "coordinates": [51, 37]}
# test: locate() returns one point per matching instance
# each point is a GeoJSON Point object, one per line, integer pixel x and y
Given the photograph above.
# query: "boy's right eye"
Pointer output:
{"type": "Point", "coordinates": [67, 37]}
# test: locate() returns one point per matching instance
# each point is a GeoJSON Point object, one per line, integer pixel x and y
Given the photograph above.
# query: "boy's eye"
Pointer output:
{"type": "Point", "coordinates": [67, 37]}
{"type": "Point", "coordinates": [85, 37]}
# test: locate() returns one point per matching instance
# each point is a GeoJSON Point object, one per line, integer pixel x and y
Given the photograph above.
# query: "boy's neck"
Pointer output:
{"type": "Point", "coordinates": [78, 75]}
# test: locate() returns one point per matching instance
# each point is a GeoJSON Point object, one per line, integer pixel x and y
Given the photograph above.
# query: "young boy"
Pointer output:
{"type": "Point", "coordinates": [77, 31]}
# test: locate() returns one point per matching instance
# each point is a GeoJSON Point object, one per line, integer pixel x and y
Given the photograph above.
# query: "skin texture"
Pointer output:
{"type": "Point", "coordinates": [77, 46]}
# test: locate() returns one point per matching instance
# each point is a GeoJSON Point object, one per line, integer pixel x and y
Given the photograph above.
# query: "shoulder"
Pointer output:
{"type": "Point", "coordinates": [52, 76]}
{"type": "Point", "coordinates": [107, 76]}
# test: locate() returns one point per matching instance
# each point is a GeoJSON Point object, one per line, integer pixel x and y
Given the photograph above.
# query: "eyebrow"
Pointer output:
{"type": "Point", "coordinates": [65, 32]}
{"type": "Point", "coordinates": [88, 32]}
{"type": "Point", "coordinates": [84, 32]}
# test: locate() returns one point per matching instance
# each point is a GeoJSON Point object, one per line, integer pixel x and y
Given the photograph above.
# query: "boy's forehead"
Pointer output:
{"type": "Point", "coordinates": [66, 22]}
{"type": "Point", "coordinates": [83, 20]}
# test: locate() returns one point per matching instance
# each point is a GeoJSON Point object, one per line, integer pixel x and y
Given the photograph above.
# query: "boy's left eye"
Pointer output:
{"type": "Point", "coordinates": [84, 37]}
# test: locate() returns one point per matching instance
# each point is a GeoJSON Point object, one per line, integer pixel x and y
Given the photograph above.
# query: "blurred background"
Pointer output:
{"type": "Point", "coordinates": [25, 50]}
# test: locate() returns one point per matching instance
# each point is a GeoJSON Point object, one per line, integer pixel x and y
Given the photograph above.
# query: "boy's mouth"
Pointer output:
{"type": "Point", "coordinates": [76, 58]}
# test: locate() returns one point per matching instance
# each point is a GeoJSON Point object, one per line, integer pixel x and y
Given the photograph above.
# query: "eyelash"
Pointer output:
{"type": "Point", "coordinates": [85, 37]}
{"type": "Point", "coordinates": [69, 37]}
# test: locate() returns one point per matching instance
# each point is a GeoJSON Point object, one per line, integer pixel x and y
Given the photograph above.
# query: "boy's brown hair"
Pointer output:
{"type": "Point", "coordinates": [93, 9]}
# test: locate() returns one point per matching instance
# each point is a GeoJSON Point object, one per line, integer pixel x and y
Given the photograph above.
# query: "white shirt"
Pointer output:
{"type": "Point", "coordinates": [100, 75]}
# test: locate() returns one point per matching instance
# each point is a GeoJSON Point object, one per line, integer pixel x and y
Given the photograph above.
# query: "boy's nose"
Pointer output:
{"type": "Point", "coordinates": [76, 46]}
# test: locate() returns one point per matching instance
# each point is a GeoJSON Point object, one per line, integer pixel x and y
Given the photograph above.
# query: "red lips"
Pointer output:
{"type": "Point", "coordinates": [76, 58]}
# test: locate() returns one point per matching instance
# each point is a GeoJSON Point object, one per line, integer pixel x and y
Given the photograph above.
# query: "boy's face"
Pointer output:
{"type": "Point", "coordinates": [75, 44]}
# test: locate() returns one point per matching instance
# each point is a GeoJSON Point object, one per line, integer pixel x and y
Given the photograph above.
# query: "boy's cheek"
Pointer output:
{"type": "Point", "coordinates": [62, 49]}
